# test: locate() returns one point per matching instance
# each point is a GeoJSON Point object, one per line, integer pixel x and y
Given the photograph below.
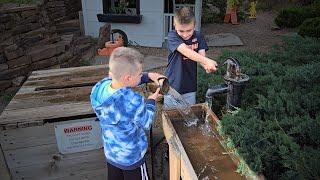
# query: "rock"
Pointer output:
{"type": "Point", "coordinates": [223, 39]}
{"type": "Point", "coordinates": [104, 35]}
{"type": "Point", "coordinates": [12, 73]}
{"type": "Point", "coordinates": [4, 67]}
{"type": "Point", "coordinates": [2, 59]}
{"type": "Point", "coordinates": [5, 84]}
{"type": "Point", "coordinates": [18, 81]}
{"type": "Point", "coordinates": [275, 28]}
{"type": "Point", "coordinates": [21, 61]}
{"type": "Point", "coordinates": [46, 52]}
{"type": "Point", "coordinates": [13, 51]}
{"type": "Point", "coordinates": [45, 63]}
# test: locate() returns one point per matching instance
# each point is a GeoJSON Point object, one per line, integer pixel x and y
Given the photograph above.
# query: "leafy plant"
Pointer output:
{"type": "Point", "coordinates": [277, 130]}
{"type": "Point", "coordinates": [293, 17]}
{"type": "Point", "coordinates": [232, 3]}
{"type": "Point", "coordinates": [310, 27]}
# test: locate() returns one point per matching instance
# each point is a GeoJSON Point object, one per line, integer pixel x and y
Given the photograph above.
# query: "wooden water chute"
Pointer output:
{"type": "Point", "coordinates": [193, 156]}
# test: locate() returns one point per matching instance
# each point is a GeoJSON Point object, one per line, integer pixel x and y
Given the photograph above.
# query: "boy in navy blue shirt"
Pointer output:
{"type": "Point", "coordinates": [186, 48]}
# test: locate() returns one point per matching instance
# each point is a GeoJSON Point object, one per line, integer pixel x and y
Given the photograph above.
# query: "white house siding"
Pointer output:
{"type": "Point", "coordinates": [150, 31]}
{"type": "Point", "coordinates": [90, 9]}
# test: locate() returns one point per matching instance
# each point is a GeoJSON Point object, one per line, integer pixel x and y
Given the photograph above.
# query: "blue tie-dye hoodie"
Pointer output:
{"type": "Point", "coordinates": [124, 117]}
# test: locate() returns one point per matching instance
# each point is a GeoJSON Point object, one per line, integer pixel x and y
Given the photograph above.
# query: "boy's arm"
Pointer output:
{"type": "Point", "coordinates": [146, 77]}
{"type": "Point", "coordinates": [146, 112]}
{"type": "Point", "coordinates": [208, 64]}
{"type": "Point", "coordinates": [202, 52]}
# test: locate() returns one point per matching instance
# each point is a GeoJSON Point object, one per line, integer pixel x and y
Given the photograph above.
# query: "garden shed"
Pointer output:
{"type": "Point", "coordinates": [146, 22]}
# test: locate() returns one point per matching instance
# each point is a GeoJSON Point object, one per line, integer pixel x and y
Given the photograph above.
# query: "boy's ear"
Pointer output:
{"type": "Point", "coordinates": [127, 77]}
{"type": "Point", "coordinates": [110, 74]}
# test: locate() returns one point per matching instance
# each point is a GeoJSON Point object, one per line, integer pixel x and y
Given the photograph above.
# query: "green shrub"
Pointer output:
{"type": "Point", "coordinates": [310, 27]}
{"type": "Point", "coordinates": [293, 17]}
{"type": "Point", "coordinates": [212, 17]}
{"type": "Point", "coordinates": [277, 129]}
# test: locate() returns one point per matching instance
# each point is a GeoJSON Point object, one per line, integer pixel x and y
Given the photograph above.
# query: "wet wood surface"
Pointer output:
{"type": "Point", "coordinates": [53, 94]}
{"type": "Point", "coordinates": [32, 153]}
{"type": "Point", "coordinates": [200, 155]}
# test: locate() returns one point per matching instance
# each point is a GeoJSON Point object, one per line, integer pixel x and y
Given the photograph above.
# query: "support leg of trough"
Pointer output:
{"type": "Point", "coordinates": [174, 163]}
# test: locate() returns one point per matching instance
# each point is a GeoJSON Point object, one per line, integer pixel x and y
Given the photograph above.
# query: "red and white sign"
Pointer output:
{"type": "Point", "coordinates": [78, 135]}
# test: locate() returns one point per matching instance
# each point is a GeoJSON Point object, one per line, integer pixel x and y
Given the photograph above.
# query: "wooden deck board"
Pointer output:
{"type": "Point", "coordinates": [29, 153]}
{"type": "Point", "coordinates": [54, 94]}
{"type": "Point", "coordinates": [45, 113]}
{"type": "Point", "coordinates": [65, 167]}
{"type": "Point", "coordinates": [27, 137]}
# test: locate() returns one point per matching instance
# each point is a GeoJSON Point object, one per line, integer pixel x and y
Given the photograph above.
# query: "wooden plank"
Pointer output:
{"type": "Point", "coordinates": [65, 81]}
{"type": "Point", "coordinates": [4, 172]}
{"type": "Point", "coordinates": [45, 113]}
{"type": "Point", "coordinates": [90, 175]}
{"type": "Point", "coordinates": [67, 71]}
{"type": "Point", "coordinates": [71, 164]}
{"type": "Point", "coordinates": [50, 97]}
{"type": "Point", "coordinates": [30, 155]}
{"type": "Point", "coordinates": [174, 162]}
{"type": "Point", "coordinates": [186, 169]}
{"type": "Point", "coordinates": [27, 137]}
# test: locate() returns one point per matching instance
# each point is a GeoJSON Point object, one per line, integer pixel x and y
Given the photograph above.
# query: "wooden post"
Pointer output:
{"type": "Point", "coordinates": [198, 12]}
{"type": "Point", "coordinates": [174, 162]}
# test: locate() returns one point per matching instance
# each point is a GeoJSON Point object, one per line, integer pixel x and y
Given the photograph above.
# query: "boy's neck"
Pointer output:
{"type": "Point", "coordinates": [116, 84]}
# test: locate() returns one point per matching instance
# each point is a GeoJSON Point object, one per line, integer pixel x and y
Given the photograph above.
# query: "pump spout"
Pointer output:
{"type": "Point", "coordinates": [233, 68]}
{"type": "Point", "coordinates": [218, 89]}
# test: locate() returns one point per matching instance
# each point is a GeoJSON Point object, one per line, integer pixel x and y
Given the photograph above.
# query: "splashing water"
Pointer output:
{"type": "Point", "coordinates": [183, 107]}
{"type": "Point", "coordinates": [206, 128]}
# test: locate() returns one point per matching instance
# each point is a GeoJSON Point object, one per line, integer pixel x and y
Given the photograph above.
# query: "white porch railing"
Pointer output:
{"type": "Point", "coordinates": [167, 24]}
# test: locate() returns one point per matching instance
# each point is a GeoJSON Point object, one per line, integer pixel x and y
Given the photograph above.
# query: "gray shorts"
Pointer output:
{"type": "Point", "coordinates": [169, 102]}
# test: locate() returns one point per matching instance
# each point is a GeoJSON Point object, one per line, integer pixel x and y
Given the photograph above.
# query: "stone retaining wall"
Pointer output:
{"type": "Point", "coordinates": [29, 41]}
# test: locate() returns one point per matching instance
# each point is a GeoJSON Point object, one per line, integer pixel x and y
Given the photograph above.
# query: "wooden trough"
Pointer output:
{"type": "Point", "coordinates": [195, 155]}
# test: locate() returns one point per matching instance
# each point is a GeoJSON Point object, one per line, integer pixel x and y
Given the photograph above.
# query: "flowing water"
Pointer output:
{"type": "Point", "coordinates": [190, 119]}
{"type": "Point", "coordinates": [206, 126]}
{"type": "Point", "coordinates": [207, 156]}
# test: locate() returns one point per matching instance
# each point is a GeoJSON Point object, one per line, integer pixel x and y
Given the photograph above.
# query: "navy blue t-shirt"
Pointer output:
{"type": "Point", "coordinates": [181, 71]}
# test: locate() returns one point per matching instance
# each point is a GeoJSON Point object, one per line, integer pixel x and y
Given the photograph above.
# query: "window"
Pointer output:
{"type": "Point", "coordinates": [127, 7]}
{"type": "Point", "coordinates": [120, 11]}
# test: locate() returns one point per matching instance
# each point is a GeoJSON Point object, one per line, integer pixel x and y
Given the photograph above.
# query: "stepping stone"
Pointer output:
{"type": "Point", "coordinates": [223, 39]}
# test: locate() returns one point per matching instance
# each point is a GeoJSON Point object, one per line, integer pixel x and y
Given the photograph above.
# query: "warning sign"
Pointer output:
{"type": "Point", "coordinates": [78, 135]}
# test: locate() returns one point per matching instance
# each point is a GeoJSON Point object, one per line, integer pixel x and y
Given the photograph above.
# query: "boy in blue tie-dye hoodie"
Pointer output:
{"type": "Point", "coordinates": [124, 115]}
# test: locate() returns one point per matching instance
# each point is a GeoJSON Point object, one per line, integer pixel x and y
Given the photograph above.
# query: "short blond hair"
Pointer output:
{"type": "Point", "coordinates": [124, 61]}
{"type": "Point", "coordinates": [184, 15]}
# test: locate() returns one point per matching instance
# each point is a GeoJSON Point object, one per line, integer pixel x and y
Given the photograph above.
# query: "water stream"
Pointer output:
{"type": "Point", "coordinates": [190, 119]}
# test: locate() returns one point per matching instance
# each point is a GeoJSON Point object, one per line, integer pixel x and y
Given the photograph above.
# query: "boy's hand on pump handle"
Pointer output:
{"type": "Point", "coordinates": [155, 95]}
{"type": "Point", "coordinates": [210, 66]}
